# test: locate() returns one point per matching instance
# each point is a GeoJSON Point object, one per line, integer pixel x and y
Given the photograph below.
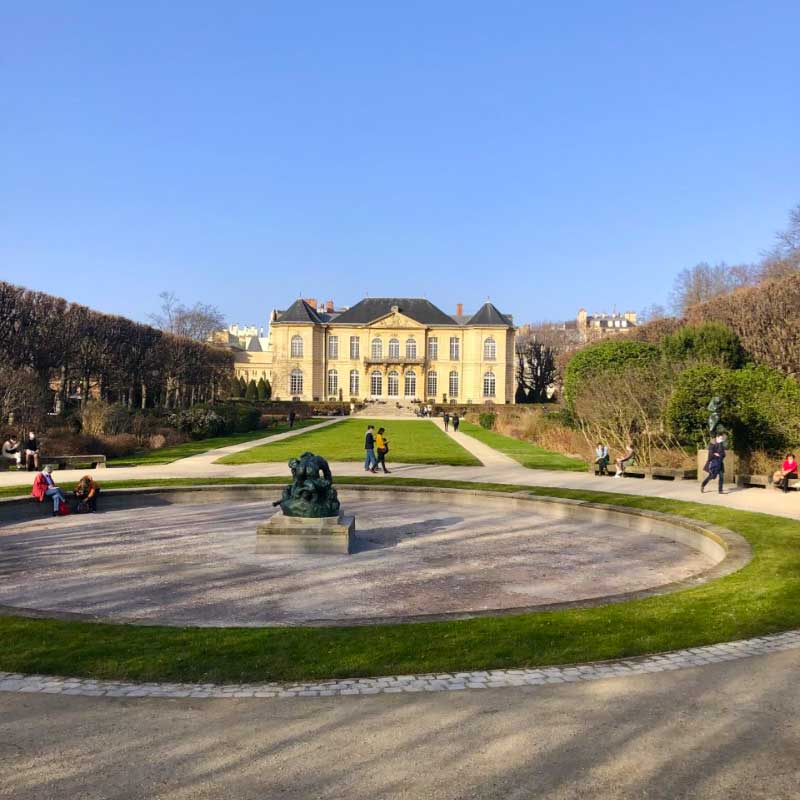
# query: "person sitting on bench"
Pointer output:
{"type": "Point", "coordinates": [31, 452]}
{"type": "Point", "coordinates": [11, 450]}
{"type": "Point", "coordinates": [624, 459]}
{"type": "Point", "coordinates": [601, 458]}
{"type": "Point", "coordinates": [788, 471]}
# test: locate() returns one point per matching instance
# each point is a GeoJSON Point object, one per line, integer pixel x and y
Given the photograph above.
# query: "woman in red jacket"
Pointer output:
{"type": "Point", "coordinates": [44, 486]}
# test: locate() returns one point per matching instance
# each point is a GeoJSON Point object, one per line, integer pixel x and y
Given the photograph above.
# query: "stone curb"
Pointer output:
{"type": "Point", "coordinates": [409, 684]}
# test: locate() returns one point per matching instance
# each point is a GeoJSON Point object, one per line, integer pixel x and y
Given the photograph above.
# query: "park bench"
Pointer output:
{"type": "Point", "coordinates": [70, 462]}
{"type": "Point", "coordinates": [763, 480]}
{"type": "Point", "coordinates": [656, 473]}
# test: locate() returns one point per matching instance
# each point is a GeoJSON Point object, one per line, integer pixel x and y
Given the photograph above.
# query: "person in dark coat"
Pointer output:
{"type": "Point", "coordinates": [456, 422]}
{"type": "Point", "coordinates": [447, 420]}
{"type": "Point", "coordinates": [715, 465]}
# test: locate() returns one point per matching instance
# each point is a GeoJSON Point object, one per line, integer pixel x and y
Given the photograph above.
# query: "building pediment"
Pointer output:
{"type": "Point", "coordinates": [395, 320]}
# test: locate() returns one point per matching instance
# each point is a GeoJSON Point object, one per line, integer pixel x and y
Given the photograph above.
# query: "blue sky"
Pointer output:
{"type": "Point", "coordinates": [547, 155]}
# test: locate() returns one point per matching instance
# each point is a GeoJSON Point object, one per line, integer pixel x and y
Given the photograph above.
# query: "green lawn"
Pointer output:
{"type": "Point", "coordinates": [762, 598]}
{"type": "Point", "coordinates": [166, 455]}
{"type": "Point", "coordinates": [529, 455]}
{"type": "Point", "coordinates": [410, 442]}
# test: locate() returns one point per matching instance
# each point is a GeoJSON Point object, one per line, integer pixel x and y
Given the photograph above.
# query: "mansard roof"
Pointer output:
{"type": "Point", "coordinates": [372, 308]}
{"type": "Point", "coordinates": [488, 314]}
{"type": "Point", "coordinates": [299, 311]}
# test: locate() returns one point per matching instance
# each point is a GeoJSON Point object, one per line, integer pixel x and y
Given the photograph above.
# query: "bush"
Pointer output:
{"type": "Point", "coordinates": [66, 443]}
{"type": "Point", "coordinates": [261, 389]}
{"type": "Point", "coordinates": [99, 418]}
{"type": "Point", "coordinates": [487, 419]}
{"type": "Point", "coordinates": [118, 445]}
{"type": "Point", "coordinates": [710, 343]}
{"type": "Point", "coordinates": [611, 356]}
{"type": "Point", "coordinates": [252, 391]}
{"type": "Point", "coordinates": [198, 422]}
{"type": "Point", "coordinates": [759, 407]}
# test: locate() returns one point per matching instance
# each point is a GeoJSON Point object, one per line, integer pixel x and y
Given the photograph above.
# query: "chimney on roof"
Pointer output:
{"type": "Point", "coordinates": [459, 309]}
{"type": "Point", "coordinates": [312, 301]}
{"type": "Point", "coordinates": [329, 306]}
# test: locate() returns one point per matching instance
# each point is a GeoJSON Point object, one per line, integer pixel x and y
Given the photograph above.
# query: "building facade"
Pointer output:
{"type": "Point", "coordinates": [592, 327]}
{"type": "Point", "coordinates": [390, 349]}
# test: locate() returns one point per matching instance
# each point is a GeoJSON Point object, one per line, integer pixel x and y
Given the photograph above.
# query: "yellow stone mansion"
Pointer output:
{"type": "Point", "coordinates": [391, 349]}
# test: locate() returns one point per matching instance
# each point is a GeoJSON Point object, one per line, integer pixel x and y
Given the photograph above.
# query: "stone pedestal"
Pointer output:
{"type": "Point", "coordinates": [284, 535]}
{"type": "Point", "coordinates": [731, 466]}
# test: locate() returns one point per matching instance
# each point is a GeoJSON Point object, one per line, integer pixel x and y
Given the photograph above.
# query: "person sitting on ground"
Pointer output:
{"type": "Point", "coordinates": [787, 472]}
{"type": "Point", "coordinates": [12, 451]}
{"type": "Point", "coordinates": [44, 486]}
{"type": "Point", "coordinates": [86, 494]}
{"type": "Point", "coordinates": [31, 452]}
{"type": "Point", "coordinates": [382, 444]}
{"type": "Point", "coordinates": [601, 458]}
{"type": "Point", "coordinates": [624, 459]}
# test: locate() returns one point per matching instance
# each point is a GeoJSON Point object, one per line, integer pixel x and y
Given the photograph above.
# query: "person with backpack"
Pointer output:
{"type": "Point", "coordinates": [370, 462]}
{"type": "Point", "coordinates": [44, 486]}
{"type": "Point", "coordinates": [447, 420]}
{"type": "Point", "coordinates": [382, 443]}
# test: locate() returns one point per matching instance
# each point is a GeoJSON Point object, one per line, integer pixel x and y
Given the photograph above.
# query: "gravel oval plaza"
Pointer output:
{"type": "Point", "coordinates": [194, 560]}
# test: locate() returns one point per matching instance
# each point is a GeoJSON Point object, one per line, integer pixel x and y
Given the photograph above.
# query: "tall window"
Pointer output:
{"type": "Point", "coordinates": [411, 348]}
{"type": "Point", "coordinates": [433, 349]}
{"type": "Point", "coordinates": [393, 383]}
{"type": "Point", "coordinates": [455, 348]}
{"type": "Point", "coordinates": [295, 382]}
{"type": "Point", "coordinates": [410, 384]}
{"type": "Point", "coordinates": [433, 383]}
{"type": "Point", "coordinates": [453, 387]}
{"type": "Point", "coordinates": [376, 383]}
{"type": "Point", "coordinates": [489, 384]}
{"type": "Point", "coordinates": [355, 347]}
{"type": "Point", "coordinates": [354, 383]}
{"type": "Point", "coordinates": [394, 348]}
{"type": "Point", "coordinates": [297, 347]}
{"type": "Point", "coordinates": [333, 347]}
{"type": "Point", "coordinates": [489, 349]}
{"type": "Point", "coordinates": [376, 349]}
{"type": "Point", "coordinates": [333, 382]}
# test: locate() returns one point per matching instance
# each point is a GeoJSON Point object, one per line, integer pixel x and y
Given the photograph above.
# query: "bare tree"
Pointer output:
{"type": "Point", "coordinates": [703, 282]}
{"type": "Point", "coordinates": [536, 369]}
{"type": "Point", "coordinates": [784, 258]}
{"type": "Point", "coordinates": [196, 322]}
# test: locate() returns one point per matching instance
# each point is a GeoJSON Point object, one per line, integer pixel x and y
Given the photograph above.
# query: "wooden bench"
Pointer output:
{"type": "Point", "coordinates": [66, 462]}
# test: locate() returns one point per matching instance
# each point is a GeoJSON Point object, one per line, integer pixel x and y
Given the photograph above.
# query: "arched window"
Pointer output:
{"type": "Point", "coordinates": [453, 387]}
{"type": "Point", "coordinates": [410, 384]}
{"type": "Point", "coordinates": [376, 383]}
{"type": "Point", "coordinates": [433, 383]}
{"type": "Point", "coordinates": [297, 346]}
{"type": "Point", "coordinates": [489, 349]}
{"type": "Point", "coordinates": [394, 348]}
{"type": "Point", "coordinates": [333, 382]}
{"type": "Point", "coordinates": [295, 382]}
{"type": "Point", "coordinates": [354, 383]}
{"type": "Point", "coordinates": [489, 384]}
{"type": "Point", "coordinates": [376, 349]}
{"type": "Point", "coordinates": [411, 348]}
{"type": "Point", "coordinates": [393, 383]}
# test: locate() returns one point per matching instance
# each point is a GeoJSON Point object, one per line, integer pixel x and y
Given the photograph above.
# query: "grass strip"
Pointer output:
{"type": "Point", "coordinates": [410, 442]}
{"type": "Point", "coordinates": [526, 453]}
{"type": "Point", "coordinates": [762, 598]}
{"type": "Point", "coordinates": [166, 455]}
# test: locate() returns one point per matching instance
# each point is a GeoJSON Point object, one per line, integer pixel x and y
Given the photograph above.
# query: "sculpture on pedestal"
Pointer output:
{"type": "Point", "coordinates": [311, 492]}
{"type": "Point", "coordinates": [714, 415]}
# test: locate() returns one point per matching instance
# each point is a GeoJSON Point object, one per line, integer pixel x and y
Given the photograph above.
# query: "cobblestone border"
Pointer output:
{"type": "Point", "coordinates": [398, 684]}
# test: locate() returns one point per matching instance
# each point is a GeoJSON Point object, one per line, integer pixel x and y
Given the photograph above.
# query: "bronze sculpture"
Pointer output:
{"type": "Point", "coordinates": [311, 492]}
{"type": "Point", "coordinates": [714, 409]}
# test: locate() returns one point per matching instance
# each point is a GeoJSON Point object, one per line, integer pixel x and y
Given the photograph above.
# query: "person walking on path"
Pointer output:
{"type": "Point", "coordinates": [456, 422]}
{"type": "Point", "coordinates": [446, 421]}
{"type": "Point", "coordinates": [382, 443]}
{"type": "Point", "coordinates": [787, 472]}
{"type": "Point", "coordinates": [715, 465]}
{"type": "Point", "coordinates": [624, 459]}
{"type": "Point", "coordinates": [44, 486]}
{"type": "Point", "coordinates": [601, 458]}
{"type": "Point", "coordinates": [370, 462]}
